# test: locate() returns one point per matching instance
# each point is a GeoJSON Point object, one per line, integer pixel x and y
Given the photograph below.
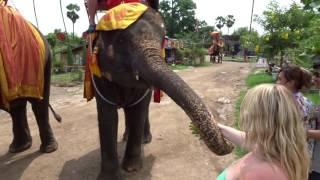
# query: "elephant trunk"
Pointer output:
{"type": "Point", "coordinates": [155, 71]}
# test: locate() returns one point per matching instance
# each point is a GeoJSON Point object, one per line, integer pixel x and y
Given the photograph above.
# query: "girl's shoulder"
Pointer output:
{"type": "Point", "coordinates": [253, 168]}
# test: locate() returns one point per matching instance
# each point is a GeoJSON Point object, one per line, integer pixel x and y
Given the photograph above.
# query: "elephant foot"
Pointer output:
{"type": "Point", "coordinates": [49, 147]}
{"type": "Point", "coordinates": [132, 164]}
{"type": "Point", "coordinates": [16, 147]}
{"type": "Point", "coordinates": [147, 138]}
{"type": "Point", "coordinates": [109, 176]}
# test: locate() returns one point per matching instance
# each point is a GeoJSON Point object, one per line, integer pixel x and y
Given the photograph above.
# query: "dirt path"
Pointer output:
{"type": "Point", "coordinates": [174, 153]}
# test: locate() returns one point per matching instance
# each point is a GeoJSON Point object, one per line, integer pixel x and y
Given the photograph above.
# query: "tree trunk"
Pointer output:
{"type": "Point", "coordinates": [281, 58]}
{"type": "Point", "coordinates": [72, 30]}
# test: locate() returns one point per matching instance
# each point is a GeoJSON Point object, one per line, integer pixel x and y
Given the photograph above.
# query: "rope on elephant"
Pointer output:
{"type": "Point", "coordinates": [113, 103]}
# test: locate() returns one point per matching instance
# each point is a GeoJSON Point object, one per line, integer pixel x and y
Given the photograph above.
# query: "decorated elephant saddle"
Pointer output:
{"type": "Point", "coordinates": [121, 16]}
{"type": "Point", "coordinates": [116, 18]}
{"type": "Point", "coordinates": [22, 53]}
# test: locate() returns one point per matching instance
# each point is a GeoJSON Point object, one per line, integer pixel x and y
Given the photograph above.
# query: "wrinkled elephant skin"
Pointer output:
{"type": "Point", "coordinates": [133, 62]}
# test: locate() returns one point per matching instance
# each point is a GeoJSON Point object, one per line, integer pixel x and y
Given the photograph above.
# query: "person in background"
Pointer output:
{"type": "Point", "coordinates": [273, 134]}
{"type": "Point", "coordinates": [92, 9]}
{"type": "Point", "coordinates": [295, 79]}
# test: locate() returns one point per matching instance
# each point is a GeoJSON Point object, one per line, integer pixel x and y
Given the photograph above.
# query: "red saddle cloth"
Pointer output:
{"type": "Point", "coordinates": [22, 53]}
{"type": "Point", "coordinates": [108, 4]}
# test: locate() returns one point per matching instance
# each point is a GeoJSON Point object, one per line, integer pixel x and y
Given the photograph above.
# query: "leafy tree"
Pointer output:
{"type": "Point", "coordinates": [52, 40]}
{"type": "Point", "coordinates": [72, 14]}
{"type": "Point", "coordinates": [230, 21]}
{"type": "Point", "coordinates": [311, 4]}
{"type": "Point", "coordinates": [248, 39]}
{"type": "Point", "coordinates": [220, 22]}
{"type": "Point", "coordinates": [179, 16]}
{"type": "Point", "coordinates": [200, 39]}
{"type": "Point", "coordinates": [284, 29]}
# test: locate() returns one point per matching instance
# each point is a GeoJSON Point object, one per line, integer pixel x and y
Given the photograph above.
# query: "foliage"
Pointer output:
{"type": "Point", "coordinates": [67, 78]}
{"type": "Point", "coordinates": [311, 4]}
{"type": "Point", "coordinates": [72, 14]}
{"type": "Point", "coordinates": [258, 78]}
{"type": "Point", "coordinates": [58, 46]}
{"type": "Point", "coordinates": [178, 67]}
{"type": "Point", "coordinates": [57, 67]}
{"type": "Point", "coordinates": [284, 29]}
{"type": "Point", "coordinates": [230, 21]}
{"type": "Point", "coordinates": [179, 16]}
{"type": "Point", "coordinates": [200, 39]}
{"type": "Point", "coordinates": [179, 55]}
{"type": "Point", "coordinates": [310, 45]}
{"type": "Point", "coordinates": [247, 39]}
{"type": "Point", "coordinates": [220, 22]}
{"type": "Point", "coordinates": [314, 97]}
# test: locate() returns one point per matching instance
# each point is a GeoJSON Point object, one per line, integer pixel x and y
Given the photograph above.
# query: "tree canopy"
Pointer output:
{"type": "Point", "coordinates": [72, 14]}
{"type": "Point", "coordinates": [179, 16]}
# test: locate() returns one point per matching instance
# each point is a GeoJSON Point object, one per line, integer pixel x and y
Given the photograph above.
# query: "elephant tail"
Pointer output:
{"type": "Point", "coordinates": [56, 115]}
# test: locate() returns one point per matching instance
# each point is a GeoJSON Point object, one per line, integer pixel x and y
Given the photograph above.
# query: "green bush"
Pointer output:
{"type": "Point", "coordinates": [258, 78]}
{"type": "Point", "coordinates": [179, 55]}
{"type": "Point", "coordinates": [57, 67]}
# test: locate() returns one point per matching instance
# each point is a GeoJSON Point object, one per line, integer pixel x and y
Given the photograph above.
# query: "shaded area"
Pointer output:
{"type": "Point", "coordinates": [12, 166]}
{"type": "Point", "coordinates": [88, 167]}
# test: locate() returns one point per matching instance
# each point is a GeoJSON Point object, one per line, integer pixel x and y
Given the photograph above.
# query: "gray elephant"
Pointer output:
{"type": "Point", "coordinates": [17, 108]}
{"type": "Point", "coordinates": [131, 64]}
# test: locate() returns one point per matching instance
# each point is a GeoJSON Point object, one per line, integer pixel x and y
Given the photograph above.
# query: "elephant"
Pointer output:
{"type": "Point", "coordinates": [216, 52]}
{"type": "Point", "coordinates": [131, 64]}
{"type": "Point", "coordinates": [17, 108]}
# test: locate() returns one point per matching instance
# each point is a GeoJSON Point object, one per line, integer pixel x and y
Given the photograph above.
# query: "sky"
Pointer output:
{"type": "Point", "coordinates": [49, 15]}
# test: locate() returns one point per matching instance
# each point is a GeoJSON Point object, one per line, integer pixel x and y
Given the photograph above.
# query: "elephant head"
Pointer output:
{"type": "Point", "coordinates": [132, 57]}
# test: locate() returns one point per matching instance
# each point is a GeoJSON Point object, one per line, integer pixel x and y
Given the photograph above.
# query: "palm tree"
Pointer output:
{"type": "Point", "coordinates": [220, 22]}
{"type": "Point", "coordinates": [72, 15]}
{"type": "Point", "coordinates": [230, 21]}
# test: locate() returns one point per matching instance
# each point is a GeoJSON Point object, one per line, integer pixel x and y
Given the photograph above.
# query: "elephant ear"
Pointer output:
{"type": "Point", "coordinates": [154, 4]}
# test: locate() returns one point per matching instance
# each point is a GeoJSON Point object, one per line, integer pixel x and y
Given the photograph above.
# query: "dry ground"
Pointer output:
{"type": "Point", "coordinates": [174, 154]}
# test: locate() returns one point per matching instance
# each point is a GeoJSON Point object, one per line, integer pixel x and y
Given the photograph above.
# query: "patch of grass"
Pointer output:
{"type": "Point", "coordinates": [194, 130]}
{"type": "Point", "coordinates": [178, 67]}
{"type": "Point", "coordinates": [205, 64]}
{"type": "Point", "coordinates": [314, 97]}
{"type": "Point", "coordinates": [67, 77]}
{"type": "Point", "coordinates": [238, 151]}
{"type": "Point", "coordinates": [258, 78]}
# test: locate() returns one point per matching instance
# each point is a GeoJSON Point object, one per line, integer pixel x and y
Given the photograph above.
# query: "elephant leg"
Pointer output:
{"type": "Point", "coordinates": [21, 133]}
{"type": "Point", "coordinates": [147, 136]}
{"type": "Point", "coordinates": [135, 117]}
{"type": "Point", "coordinates": [41, 112]}
{"type": "Point", "coordinates": [108, 131]}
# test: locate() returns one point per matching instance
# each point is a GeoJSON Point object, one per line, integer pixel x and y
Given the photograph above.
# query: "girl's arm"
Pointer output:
{"type": "Point", "coordinates": [314, 134]}
{"type": "Point", "coordinates": [235, 136]}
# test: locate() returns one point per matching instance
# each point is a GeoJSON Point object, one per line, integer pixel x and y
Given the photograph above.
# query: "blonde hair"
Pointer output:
{"type": "Point", "coordinates": [271, 120]}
